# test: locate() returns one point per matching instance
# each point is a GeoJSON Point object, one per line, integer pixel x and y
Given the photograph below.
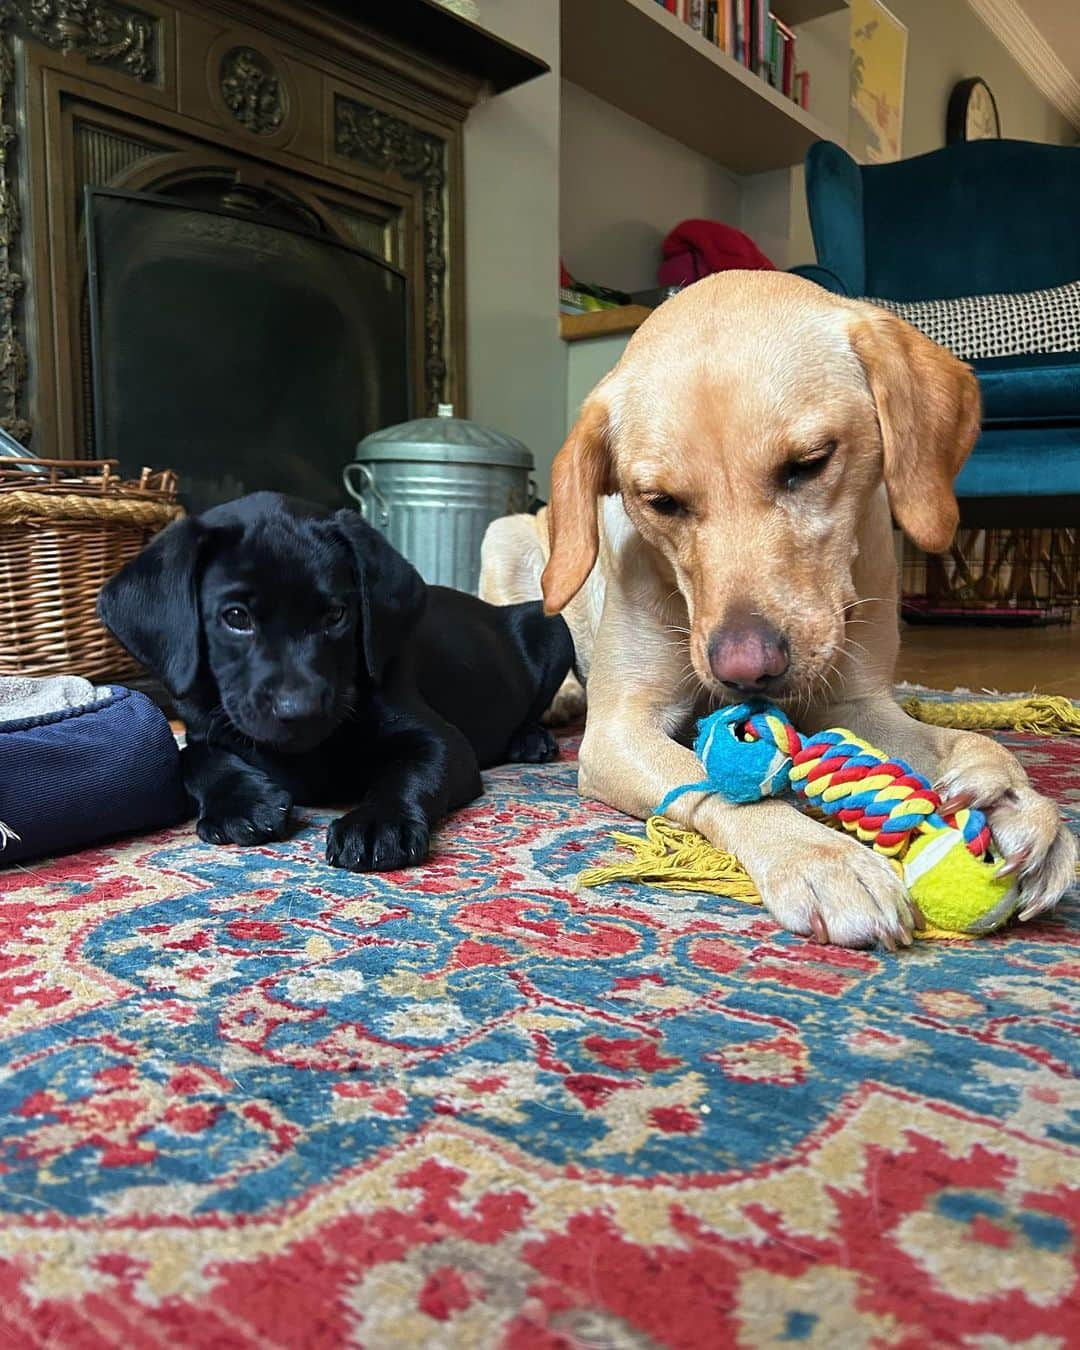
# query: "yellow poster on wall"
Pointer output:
{"type": "Point", "coordinates": [878, 64]}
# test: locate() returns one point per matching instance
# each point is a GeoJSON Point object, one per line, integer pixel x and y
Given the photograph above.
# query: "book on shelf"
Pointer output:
{"type": "Point", "coordinates": [750, 22]}
{"type": "Point", "coordinates": [751, 34]}
{"type": "Point", "coordinates": [772, 68]}
{"type": "Point", "coordinates": [787, 58]}
{"type": "Point", "coordinates": [761, 39]}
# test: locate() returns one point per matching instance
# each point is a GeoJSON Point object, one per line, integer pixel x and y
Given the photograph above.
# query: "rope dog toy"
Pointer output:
{"type": "Point", "coordinates": [947, 863]}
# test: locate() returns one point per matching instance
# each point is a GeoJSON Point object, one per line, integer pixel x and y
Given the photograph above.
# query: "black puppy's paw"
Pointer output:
{"type": "Point", "coordinates": [364, 841]}
{"type": "Point", "coordinates": [246, 814]}
{"type": "Point", "coordinates": [532, 744]}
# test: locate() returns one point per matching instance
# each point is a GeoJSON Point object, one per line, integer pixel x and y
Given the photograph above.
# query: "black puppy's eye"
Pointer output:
{"type": "Point", "coordinates": [801, 471]}
{"type": "Point", "coordinates": [333, 616]}
{"type": "Point", "coordinates": [238, 619]}
{"type": "Point", "coordinates": [664, 504]}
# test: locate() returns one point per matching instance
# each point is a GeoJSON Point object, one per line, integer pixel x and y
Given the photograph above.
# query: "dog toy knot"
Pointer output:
{"type": "Point", "coordinates": [751, 750]}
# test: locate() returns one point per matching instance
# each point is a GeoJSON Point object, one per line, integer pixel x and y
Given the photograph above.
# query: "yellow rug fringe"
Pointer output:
{"type": "Point", "coordinates": [1040, 714]}
{"type": "Point", "coordinates": [676, 859]}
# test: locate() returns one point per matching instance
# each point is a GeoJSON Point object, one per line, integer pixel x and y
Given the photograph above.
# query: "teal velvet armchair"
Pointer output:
{"type": "Point", "coordinates": [972, 219]}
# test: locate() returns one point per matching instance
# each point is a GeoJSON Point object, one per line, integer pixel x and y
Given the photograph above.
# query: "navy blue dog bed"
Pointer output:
{"type": "Point", "coordinates": [83, 775]}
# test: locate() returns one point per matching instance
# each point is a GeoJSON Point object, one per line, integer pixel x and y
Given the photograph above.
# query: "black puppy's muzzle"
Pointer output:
{"type": "Point", "coordinates": [292, 717]}
{"type": "Point", "coordinates": [296, 706]}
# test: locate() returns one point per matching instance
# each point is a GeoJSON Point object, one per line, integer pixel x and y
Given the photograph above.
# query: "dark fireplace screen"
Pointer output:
{"type": "Point", "coordinates": [242, 354]}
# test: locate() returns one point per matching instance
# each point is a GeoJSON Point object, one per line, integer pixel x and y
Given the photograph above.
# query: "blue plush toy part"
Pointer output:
{"type": "Point", "coordinates": [739, 768]}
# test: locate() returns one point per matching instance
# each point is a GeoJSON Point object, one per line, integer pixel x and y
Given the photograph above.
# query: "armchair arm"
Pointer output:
{"type": "Point", "coordinates": [824, 276]}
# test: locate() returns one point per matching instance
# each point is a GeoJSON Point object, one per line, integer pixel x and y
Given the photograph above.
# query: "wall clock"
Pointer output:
{"type": "Point", "coordinates": [972, 114]}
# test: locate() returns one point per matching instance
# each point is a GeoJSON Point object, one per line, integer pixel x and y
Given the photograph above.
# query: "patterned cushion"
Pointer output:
{"type": "Point", "coordinates": [977, 326]}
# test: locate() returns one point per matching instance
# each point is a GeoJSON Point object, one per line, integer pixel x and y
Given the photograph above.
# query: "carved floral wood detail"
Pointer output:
{"type": "Point", "coordinates": [109, 34]}
{"type": "Point", "coordinates": [12, 351]}
{"type": "Point", "coordinates": [390, 144]}
{"type": "Point", "coordinates": [253, 91]}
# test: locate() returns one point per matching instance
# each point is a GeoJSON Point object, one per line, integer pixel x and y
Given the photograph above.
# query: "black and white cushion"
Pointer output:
{"type": "Point", "coordinates": [978, 326]}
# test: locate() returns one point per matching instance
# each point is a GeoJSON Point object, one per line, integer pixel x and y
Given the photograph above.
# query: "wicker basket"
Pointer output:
{"type": "Point", "coordinates": [65, 527]}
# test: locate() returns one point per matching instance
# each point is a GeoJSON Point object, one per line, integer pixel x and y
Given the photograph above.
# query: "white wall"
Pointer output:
{"type": "Point", "coordinates": [623, 186]}
{"type": "Point", "coordinates": [516, 360]}
{"type": "Point", "coordinates": [588, 361]}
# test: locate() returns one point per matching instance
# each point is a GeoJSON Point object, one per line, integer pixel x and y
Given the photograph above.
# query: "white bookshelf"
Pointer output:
{"type": "Point", "coordinates": [641, 58]}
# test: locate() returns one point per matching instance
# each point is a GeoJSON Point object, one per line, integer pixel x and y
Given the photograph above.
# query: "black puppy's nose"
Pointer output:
{"type": "Point", "coordinates": [746, 653]}
{"type": "Point", "coordinates": [297, 705]}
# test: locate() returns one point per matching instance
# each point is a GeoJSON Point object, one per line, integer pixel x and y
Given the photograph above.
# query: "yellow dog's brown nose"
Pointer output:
{"type": "Point", "coordinates": [746, 653]}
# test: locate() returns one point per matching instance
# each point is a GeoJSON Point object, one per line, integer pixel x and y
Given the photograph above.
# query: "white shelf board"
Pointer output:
{"type": "Point", "coordinates": [638, 56]}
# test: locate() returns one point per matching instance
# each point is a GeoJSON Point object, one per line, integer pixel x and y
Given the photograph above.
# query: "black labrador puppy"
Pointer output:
{"type": "Point", "coordinates": [311, 663]}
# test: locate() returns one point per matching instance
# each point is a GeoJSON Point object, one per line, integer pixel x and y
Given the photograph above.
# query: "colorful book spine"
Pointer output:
{"type": "Point", "coordinates": [787, 58]}
{"type": "Point", "coordinates": [750, 33]}
{"type": "Point", "coordinates": [773, 75]}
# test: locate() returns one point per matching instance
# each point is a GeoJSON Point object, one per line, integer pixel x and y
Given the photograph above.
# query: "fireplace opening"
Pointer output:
{"type": "Point", "coordinates": [242, 351]}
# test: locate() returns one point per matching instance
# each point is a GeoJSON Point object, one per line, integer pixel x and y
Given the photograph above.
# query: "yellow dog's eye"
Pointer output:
{"type": "Point", "coordinates": [664, 504]}
{"type": "Point", "coordinates": [798, 472]}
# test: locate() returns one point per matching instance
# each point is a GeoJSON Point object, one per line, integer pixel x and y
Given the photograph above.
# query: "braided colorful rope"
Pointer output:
{"type": "Point", "coordinates": [883, 802]}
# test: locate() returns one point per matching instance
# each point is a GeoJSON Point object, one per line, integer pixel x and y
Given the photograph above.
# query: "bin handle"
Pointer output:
{"type": "Point", "coordinates": [359, 494]}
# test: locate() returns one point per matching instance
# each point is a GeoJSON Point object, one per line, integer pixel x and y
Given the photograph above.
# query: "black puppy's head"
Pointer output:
{"type": "Point", "coordinates": [278, 612]}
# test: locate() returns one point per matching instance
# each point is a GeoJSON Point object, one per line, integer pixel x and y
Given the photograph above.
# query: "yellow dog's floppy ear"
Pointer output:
{"type": "Point", "coordinates": [580, 475]}
{"type": "Point", "coordinates": [928, 408]}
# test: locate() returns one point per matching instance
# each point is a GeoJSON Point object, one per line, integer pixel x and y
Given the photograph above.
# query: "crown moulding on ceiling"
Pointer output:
{"type": "Point", "coordinates": [1031, 51]}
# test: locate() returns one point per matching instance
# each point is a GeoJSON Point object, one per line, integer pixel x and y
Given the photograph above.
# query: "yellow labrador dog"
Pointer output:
{"type": "Point", "coordinates": [737, 474]}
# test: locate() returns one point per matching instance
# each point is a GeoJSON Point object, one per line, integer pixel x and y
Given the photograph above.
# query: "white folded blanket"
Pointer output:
{"type": "Point", "coordinates": [21, 696]}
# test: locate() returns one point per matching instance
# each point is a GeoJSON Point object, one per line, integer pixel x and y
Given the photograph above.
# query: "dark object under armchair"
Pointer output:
{"type": "Point", "coordinates": [972, 219]}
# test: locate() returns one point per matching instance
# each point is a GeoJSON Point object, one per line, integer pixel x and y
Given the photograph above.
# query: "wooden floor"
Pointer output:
{"type": "Point", "coordinates": [1005, 659]}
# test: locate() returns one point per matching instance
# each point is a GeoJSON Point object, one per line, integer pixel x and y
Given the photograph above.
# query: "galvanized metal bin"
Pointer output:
{"type": "Point", "coordinates": [434, 485]}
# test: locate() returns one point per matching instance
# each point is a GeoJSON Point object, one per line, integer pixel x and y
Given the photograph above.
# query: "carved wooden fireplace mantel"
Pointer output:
{"type": "Point", "coordinates": [346, 127]}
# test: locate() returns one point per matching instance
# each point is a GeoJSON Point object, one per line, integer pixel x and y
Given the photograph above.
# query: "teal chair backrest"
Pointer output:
{"type": "Point", "coordinates": [970, 219]}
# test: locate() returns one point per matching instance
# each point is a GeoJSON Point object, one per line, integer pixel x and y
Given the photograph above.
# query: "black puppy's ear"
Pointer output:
{"type": "Point", "coordinates": [151, 605]}
{"type": "Point", "coordinates": [392, 592]}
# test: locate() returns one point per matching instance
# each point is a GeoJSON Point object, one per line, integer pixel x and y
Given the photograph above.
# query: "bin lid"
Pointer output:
{"type": "Point", "coordinates": [445, 440]}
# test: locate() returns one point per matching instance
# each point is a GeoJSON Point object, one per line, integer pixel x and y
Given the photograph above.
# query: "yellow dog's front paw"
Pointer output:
{"type": "Point", "coordinates": [837, 890]}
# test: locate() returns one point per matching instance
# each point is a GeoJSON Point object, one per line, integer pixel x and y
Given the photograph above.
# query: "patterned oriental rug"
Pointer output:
{"type": "Point", "coordinates": [248, 1101]}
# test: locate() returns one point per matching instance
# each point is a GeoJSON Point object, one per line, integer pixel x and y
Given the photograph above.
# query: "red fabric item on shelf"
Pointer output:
{"type": "Point", "coordinates": [697, 248]}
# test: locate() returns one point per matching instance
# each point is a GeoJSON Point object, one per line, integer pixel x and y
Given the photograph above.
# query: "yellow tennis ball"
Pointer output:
{"type": "Point", "coordinates": [955, 890]}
